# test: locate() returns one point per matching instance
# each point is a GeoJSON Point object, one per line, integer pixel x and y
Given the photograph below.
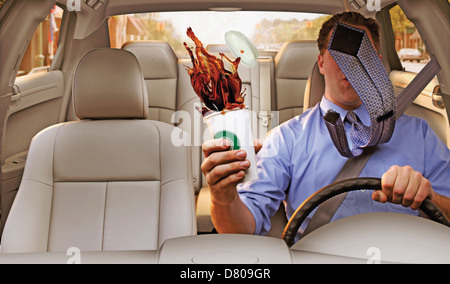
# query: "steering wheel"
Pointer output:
{"type": "Point", "coordinates": [428, 207]}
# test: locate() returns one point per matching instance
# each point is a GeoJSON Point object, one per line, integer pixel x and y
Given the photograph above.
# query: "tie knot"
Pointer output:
{"type": "Point", "coordinates": [352, 117]}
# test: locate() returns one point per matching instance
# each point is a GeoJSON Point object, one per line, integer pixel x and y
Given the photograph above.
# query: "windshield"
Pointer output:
{"type": "Point", "coordinates": [267, 30]}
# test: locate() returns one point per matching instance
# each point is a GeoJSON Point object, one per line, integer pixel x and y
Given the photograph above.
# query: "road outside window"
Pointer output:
{"type": "Point", "coordinates": [408, 42]}
{"type": "Point", "coordinates": [267, 30]}
{"type": "Point", "coordinates": [43, 45]}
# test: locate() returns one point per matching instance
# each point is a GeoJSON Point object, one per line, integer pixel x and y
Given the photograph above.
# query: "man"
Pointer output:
{"type": "Point", "coordinates": [413, 165]}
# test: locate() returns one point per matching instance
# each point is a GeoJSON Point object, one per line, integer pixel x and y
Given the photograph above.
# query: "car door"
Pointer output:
{"type": "Point", "coordinates": [401, 34]}
{"type": "Point", "coordinates": [34, 105]}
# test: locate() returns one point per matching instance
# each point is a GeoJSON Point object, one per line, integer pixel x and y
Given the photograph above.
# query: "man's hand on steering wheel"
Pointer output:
{"type": "Point", "coordinates": [403, 185]}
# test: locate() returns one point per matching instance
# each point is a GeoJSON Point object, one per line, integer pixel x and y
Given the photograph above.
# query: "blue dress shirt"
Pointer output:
{"type": "Point", "coordinates": [298, 158]}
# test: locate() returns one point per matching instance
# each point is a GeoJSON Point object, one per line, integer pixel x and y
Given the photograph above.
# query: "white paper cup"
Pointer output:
{"type": "Point", "coordinates": [235, 126]}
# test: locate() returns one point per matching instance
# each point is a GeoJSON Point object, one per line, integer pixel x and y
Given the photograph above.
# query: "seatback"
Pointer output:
{"type": "Point", "coordinates": [159, 66]}
{"type": "Point", "coordinates": [293, 65]}
{"type": "Point", "coordinates": [315, 88]}
{"type": "Point", "coordinates": [112, 181]}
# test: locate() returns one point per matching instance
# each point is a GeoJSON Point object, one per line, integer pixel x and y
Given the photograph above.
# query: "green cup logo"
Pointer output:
{"type": "Point", "coordinates": [230, 136]}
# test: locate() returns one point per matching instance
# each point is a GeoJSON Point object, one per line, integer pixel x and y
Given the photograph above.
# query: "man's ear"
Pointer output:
{"type": "Point", "coordinates": [320, 63]}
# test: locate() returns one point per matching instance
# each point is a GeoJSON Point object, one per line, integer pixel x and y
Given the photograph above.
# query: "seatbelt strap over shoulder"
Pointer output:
{"type": "Point", "coordinates": [354, 166]}
{"type": "Point", "coordinates": [410, 93]}
{"type": "Point", "coordinates": [326, 211]}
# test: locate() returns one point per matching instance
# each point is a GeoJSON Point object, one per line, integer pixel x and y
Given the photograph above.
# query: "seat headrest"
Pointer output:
{"type": "Point", "coordinates": [315, 88]}
{"type": "Point", "coordinates": [295, 59]}
{"type": "Point", "coordinates": [108, 84]}
{"type": "Point", "coordinates": [157, 58]}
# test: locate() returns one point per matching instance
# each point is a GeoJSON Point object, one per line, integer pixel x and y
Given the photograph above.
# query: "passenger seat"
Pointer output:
{"type": "Point", "coordinates": [112, 181]}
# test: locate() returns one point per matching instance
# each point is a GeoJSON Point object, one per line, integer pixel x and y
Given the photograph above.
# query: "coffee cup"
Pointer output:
{"type": "Point", "coordinates": [235, 126]}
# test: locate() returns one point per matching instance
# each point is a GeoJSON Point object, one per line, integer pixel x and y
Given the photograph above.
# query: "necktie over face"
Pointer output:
{"type": "Point", "coordinates": [357, 58]}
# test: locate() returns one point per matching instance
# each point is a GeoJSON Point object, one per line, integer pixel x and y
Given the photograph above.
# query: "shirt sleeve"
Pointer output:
{"type": "Point", "coordinates": [264, 195]}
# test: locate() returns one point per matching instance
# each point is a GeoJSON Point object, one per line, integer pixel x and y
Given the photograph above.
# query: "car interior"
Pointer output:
{"type": "Point", "coordinates": [87, 152]}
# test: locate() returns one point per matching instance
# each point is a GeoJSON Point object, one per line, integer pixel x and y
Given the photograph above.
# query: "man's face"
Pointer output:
{"type": "Point", "coordinates": [337, 88]}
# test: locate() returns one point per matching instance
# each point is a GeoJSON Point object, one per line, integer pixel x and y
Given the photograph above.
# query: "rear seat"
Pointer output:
{"type": "Point", "coordinates": [159, 66]}
{"type": "Point", "coordinates": [293, 65]}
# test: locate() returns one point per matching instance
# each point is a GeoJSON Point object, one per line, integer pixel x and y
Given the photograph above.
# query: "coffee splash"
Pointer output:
{"type": "Point", "coordinates": [218, 88]}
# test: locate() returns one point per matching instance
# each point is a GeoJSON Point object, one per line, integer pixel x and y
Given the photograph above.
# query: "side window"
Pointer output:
{"type": "Point", "coordinates": [408, 42]}
{"type": "Point", "coordinates": [123, 28]}
{"type": "Point", "coordinates": [43, 45]}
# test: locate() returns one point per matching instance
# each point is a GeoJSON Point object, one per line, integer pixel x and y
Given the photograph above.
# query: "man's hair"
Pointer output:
{"type": "Point", "coordinates": [351, 18]}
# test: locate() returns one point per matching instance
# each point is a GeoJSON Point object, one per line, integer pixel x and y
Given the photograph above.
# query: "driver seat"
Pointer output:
{"type": "Point", "coordinates": [315, 88]}
{"type": "Point", "coordinates": [112, 181]}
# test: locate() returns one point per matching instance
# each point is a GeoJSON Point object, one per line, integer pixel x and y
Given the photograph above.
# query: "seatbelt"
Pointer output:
{"type": "Point", "coordinates": [354, 166]}
{"type": "Point", "coordinates": [410, 93]}
{"type": "Point", "coordinates": [326, 211]}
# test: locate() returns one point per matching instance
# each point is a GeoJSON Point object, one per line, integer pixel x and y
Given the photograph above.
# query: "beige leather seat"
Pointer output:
{"type": "Point", "coordinates": [159, 66]}
{"type": "Point", "coordinates": [112, 181]}
{"type": "Point", "coordinates": [171, 97]}
{"type": "Point", "coordinates": [293, 65]}
{"type": "Point", "coordinates": [315, 88]}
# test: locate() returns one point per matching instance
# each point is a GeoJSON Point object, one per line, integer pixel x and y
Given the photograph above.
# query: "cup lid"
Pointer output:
{"type": "Point", "coordinates": [241, 46]}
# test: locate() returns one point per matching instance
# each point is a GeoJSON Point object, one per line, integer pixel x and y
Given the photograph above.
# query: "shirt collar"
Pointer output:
{"type": "Point", "coordinates": [360, 111]}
